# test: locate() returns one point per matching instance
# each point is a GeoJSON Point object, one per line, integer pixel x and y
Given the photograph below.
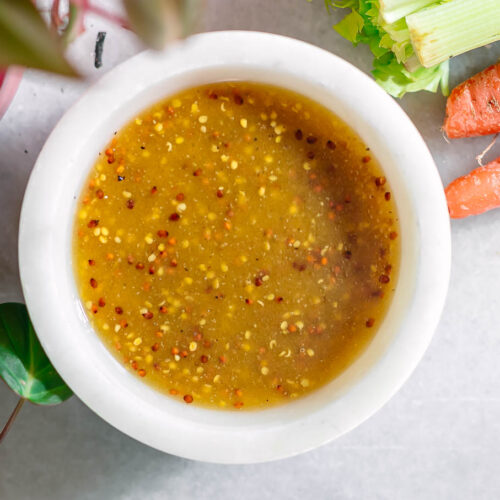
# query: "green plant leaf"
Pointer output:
{"type": "Point", "coordinates": [25, 40]}
{"type": "Point", "coordinates": [396, 80]}
{"type": "Point", "coordinates": [158, 21]}
{"type": "Point", "coordinates": [350, 26]}
{"type": "Point", "coordinates": [24, 366]}
{"type": "Point", "coordinates": [395, 65]}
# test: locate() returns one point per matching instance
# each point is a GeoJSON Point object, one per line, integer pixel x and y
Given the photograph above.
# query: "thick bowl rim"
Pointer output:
{"type": "Point", "coordinates": [192, 440]}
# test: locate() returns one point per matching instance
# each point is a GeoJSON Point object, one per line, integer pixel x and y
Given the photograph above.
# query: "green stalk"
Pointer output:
{"type": "Point", "coordinates": [453, 28]}
{"type": "Point", "coordinates": [393, 10]}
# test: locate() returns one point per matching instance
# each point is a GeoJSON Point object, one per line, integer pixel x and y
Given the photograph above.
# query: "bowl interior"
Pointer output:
{"type": "Point", "coordinates": [101, 381]}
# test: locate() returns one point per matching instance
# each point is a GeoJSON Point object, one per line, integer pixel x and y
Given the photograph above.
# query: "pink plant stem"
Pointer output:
{"type": "Point", "coordinates": [86, 6]}
{"type": "Point", "coordinates": [10, 79]}
{"type": "Point", "coordinates": [54, 14]}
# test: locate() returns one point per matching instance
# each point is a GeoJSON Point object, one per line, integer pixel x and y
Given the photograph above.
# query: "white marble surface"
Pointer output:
{"type": "Point", "coordinates": [438, 438]}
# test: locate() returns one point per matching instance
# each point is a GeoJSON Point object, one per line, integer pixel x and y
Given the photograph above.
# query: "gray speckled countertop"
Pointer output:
{"type": "Point", "coordinates": [438, 438]}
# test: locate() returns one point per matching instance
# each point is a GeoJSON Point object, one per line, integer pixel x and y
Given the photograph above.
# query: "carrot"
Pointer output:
{"type": "Point", "coordinates": [476, 192]}
{"type": "Point", "coordinates": [473, 107]}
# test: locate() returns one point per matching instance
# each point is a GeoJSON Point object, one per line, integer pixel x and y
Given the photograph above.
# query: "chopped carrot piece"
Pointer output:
{"type": "Point", "coordinates": [475, 192]}
{"type": "Point", "coordinates": [473, 107]}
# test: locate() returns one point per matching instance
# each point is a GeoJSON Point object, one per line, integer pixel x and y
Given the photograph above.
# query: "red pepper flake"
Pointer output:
{"type": "Point", "coordinates": [258, 281]}
{"type": "Point", "coordinates": [110, 155]}
{"type": "Point", "coordinates": [123, 323]}
{"type": "Point", "coordinates": [238, 392]}
{"type": "Point", "coordinates": [292, 328]}
{"type": "Point", "coordinates": [162, 233]}
{"type": "Point", "coordinates": [279, 299]}
{"type": "Point", "coordinates": [130, 204]}
{"type": "Point", "coordinates": [101, 302]}
{"type": "Point", "coordinates": [94, 309]}
{"type": "Point", "coordinates": [238, 404]}
{"type": "Point", "coordinates": [388, 269]}
{"type": "Point", "coordinates": [179, 196]}
{"type": "Point", "coordinates": [147, 315]}
{"type": "Point", "coordinates": [204, 358]}
{"type": "Point", "coordinates": [139, 265]}
{"type": "Point", "coordinates": [91, 262]}
{"type": "Point", "coordinates": [142, 372]}
{"type": "Point", "coordinates": [154, 190]}
{"type": "Point", "coordinates": [175, 216]}
{"type": "Point", "coordinates": [100, 194]}
{"type": "Point", "coordinates": [331, 145]}
{"type": "Point", "coordinates": [380, 181]}
{"type": "Point", "coordinates": [188, 398]}
{"type": "Point", "coordinates": [173, 263]}
{"type": "Point", "coordinates": [155, 347]}
{"type": "Point", "coordinates": [184, 354]}
{"type": "Point", "coordinates": [383, 278]}
{"type": "Point", "coordinates": [300, 266]}
{"type": "Point", "coordinates": [151, 269]}
{"type": "Point", "coordinates": [197, 172]}
{"type": "Point", "coordinates": [366, 159]}
{"type": "Point", "coordinates": [130, 259]}
{"type": "Point", "coordinates": [387, 196]}
{"type": "Point", "coordinates": [311, 139]}
{"type": "Point", "coordinates": [118, 310]}
{"type": "Point", "coordinates": [212, 95]}
{"type": "Point", "coordinates": [207, 343]}
{"type": "Point", "coordinates": [93, 223]}
{"type": "Point", "coordinates": [174, 350]}
{"type": "Point", "coordinates": [134, 365]}
{"type": "Point", "coordinates": [347, 254]}
{"type": "Point", "coordinates": [238, 99]}
{"type": "Point", "coordinates": [393, 235]}
{"type": "Point", "coordinates": [163, 309]}
{"type": "Point", "coordinates": [222, 359]}
{"type": "Point", "coordinates": [310, 155]}
{"type": "Point", "coordinates": [279, 388]}
{"type": "Point", "coordinates": [299, 134]}
{"type": "Point", "coordinates": [249, 301]}
{"type": "Point", "coordinates": [220, 193]}
{"type": "Point", "coordinates": [370, 322]}
{"type": "Point", "coordinates": [93, 283]}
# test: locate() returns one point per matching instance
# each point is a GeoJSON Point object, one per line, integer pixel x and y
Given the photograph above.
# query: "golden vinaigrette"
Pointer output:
{"type": "Point", "coordinates": [236, 246]}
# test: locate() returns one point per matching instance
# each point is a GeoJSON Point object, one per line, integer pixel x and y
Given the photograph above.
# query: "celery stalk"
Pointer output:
{"type": "Point", "coordinates": [393, 10]}
{"type": "Point", "coordinates": [454, 27]}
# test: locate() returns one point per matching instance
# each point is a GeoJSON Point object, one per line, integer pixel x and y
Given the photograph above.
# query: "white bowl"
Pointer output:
{"type": "Point", "coordinates": [121, 398]}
